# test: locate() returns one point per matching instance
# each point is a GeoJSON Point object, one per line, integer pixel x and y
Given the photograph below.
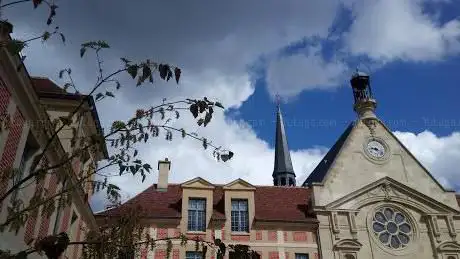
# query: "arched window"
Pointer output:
{"type": "Point", "coordinates": [451, 257]}
{"type": "Point", "coordinates": [349, 256]}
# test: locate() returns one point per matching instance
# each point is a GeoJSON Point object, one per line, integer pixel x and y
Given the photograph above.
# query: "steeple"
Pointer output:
{"type": "Point", "coordinates": [283, 173]}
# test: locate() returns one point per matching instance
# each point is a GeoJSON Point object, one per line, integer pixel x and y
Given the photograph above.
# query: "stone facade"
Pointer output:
{"type": "Point", "coordinates": [27, 107]}
{"type": "Point", "coordinates": [347, 210]}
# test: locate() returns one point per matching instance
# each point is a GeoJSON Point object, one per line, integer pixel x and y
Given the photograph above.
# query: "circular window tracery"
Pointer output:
{"type": "Point", "coordinates": [392, 228]}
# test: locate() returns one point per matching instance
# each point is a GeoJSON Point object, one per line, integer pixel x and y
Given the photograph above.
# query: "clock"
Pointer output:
{"type": "Point", "coordinates": [376, 149]}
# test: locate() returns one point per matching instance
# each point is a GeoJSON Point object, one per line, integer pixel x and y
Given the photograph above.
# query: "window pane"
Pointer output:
{"type": "Point", "coordinates": [239, 216]}
{"type": "Point", "coordinates": [301, 256]}
{"type": "Point", "coordinates": [193, 255]}
{"type": "Point", "coordinates": [196, 215]}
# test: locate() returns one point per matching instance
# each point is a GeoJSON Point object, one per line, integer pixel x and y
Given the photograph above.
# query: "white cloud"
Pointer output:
{"type": "Point", "coordinates": [400, 29]}
{"type": "Point", "coordinates": [214, 48]}
{"type": "Point", "coordinates": [440, 154]}
{"type": "Point", "coordinates": [288, 76]}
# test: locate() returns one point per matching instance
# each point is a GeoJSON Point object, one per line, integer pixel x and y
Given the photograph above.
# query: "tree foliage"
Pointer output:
{"type": "Point", "coordinates": [125, 234]}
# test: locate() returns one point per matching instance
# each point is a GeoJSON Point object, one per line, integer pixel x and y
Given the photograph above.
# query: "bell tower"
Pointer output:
{"type": "Point", "coordinates": [365, 103]}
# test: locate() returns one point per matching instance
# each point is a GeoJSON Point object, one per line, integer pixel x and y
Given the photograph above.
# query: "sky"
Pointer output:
{"type": "Point", "coordinates": [244, 53]}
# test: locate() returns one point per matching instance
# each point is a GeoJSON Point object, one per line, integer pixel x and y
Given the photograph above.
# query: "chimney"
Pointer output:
{"type": "Point", "coordinates": [163, 174]}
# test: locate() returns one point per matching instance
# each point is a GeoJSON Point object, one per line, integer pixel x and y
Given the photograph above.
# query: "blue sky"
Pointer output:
{"type": "Point", "coordinates": [305, 51]}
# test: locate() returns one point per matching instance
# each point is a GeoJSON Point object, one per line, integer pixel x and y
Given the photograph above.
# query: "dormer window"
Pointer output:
{"type": "Point", "coordinates": [197, 214]}
{"type": "Point", "coordinates": [240, 216]}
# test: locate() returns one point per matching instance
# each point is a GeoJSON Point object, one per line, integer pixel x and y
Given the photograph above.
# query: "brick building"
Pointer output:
{"type": "Point", "coordinates": [28, 105]}
{"type": "Point", "coordinates": [368, 197]}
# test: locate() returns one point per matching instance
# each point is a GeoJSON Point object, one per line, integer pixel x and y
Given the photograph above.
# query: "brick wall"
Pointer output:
{"type": "Point", "coordinates": [77, 238]}
{"type": "Point", "coordinates": [273, 255]}
{"type": "Point", "coordinates": [45, 221]}
{"type": "Point", "coordinates": [4, 97]}
{"type": "Point", "coordinates": [11, 147]}
{"type": "Point", "coordinates": [272, 235]}
{"type": "Point", "coordinates": [29, 233]}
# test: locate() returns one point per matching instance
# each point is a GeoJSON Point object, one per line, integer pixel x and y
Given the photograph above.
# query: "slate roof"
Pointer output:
{"type": "Point", "coordinates": [283, 162]}
{"type": "Point", "coordinates": [270, 204]}
{"type": "Point", "coordinates": [318, 174]}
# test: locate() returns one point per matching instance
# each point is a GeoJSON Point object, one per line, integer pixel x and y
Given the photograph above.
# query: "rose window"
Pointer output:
{"type": "Point", "coordinates": [392, 228]}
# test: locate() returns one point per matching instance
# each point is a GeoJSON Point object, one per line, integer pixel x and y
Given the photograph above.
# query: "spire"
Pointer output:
{"type": "Point", "coordinates": [283, 173]}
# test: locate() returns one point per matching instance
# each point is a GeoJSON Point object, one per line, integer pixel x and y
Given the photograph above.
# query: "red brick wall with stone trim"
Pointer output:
{"type": "Point", "coordinates": [160, 254]}
{"type": "Point", "coordinates": [68, 210]}
{"type": "Point", "coordinates": [11, 147]}
{"type": "Point", "coordinates": [258, 235]}
{"type": "Point", "coordinates": [273, 255]}
{"type": "Point", "coordinates": [240, 238]}
{"type": "Point", "coordinates": [29, 233]}
{"type": "Point", "coordinates": [144, 253]}
{"type": "Point", "coordinates": [299, 236]}
{"type": "Point", "coordinates": [44, 226]}
{"type": "Point", "coordinates": [272, 235]}
{"type": "Point", "coordinates": [77, 239]}
{"type": "Point", "coordinates": [4, 97]}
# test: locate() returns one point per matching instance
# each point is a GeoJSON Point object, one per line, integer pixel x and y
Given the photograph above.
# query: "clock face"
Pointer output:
{"type": "Point", "coordinates": [376, 149]}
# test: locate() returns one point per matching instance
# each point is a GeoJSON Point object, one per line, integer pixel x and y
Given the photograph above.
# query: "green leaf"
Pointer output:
{"type": "Point", "coordinates": [205, 143]}
{"type": "Point", "coordinates": [177, 73]}
{"type": "Point", "coordinates": [62, 37]}
{"type": "Point", "coordinates": [218, 104]}
{"type": "Point", "coordinates": [61, 73]}
{"type": "Point", "coordinates": [163, 70]}
{"type": "Point", "coordinates": [184, 134]}
{"type": "Point", "coordinates": [135, 153]}
{"type": "Point", "coordinates": [194, 110]}
{"type": "Point", "coordinates": [147, 167]}
{"type": "Point", "coordinates": [118, 85]}
{"type": "Point", "coordinates": [207, 118]}
{"type": "Point", "coordinates": [109, 94]}
{"type": "Point", "coordinates": [132, 70]}
{"type": "Point", "coordinates": [46, 36]}
{"type": "Point", "coordinates": [82, 51]}
{"type": "Point", "coordinates": [103, 45]}
{"type": "Point", "coordinates": [126, 61]}
{"type": "Point", "coordinates": [200, 121]}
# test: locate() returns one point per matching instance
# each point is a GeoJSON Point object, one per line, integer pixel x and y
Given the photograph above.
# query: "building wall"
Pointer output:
{"type": "Point", "coordinates": [19, 101]}
{"type": "Point", "coordinates": [268, 243]}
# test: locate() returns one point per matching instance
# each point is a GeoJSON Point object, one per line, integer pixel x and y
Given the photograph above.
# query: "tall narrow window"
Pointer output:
{"type": "Point", "coordinates": [59, 210]}
{"type": "Point", "coordinates": [196, 214]}
{"type": "Point", "coordinates": [193, 255]}
{"type": "Point", "coordinates": [240, 216]}
{"type": "Point", "coordinates": [26, 155]}
{"type": "Point", "coordinates": [301, 256]}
